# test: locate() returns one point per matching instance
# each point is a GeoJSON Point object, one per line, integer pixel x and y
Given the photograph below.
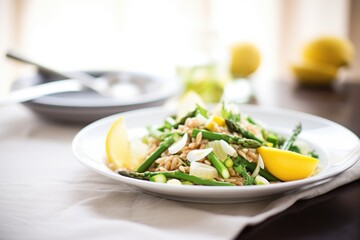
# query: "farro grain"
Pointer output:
{"type": "Point", "coordinates": [236, 147]}
{"type": "Point", "coordinates": [187, 151]}
{"type": "Point", "coordinates": [207, 162]}
{"type": "Point", "coordinates": [242, 154]}
{"type": "Point", "coordinates": [183, 155]}
{"type": "Point", "coordinates": [252, 156]}
{"type": "Point", "coordinates": [182, 168]}
{"type": "Point", "coordinates": [192, 145]}
{"type": "Point", "coordinates": [159, 160]}
{"type": "Point", "coordinates": [192, 122]}
{"type": "Point", "coordinates": [219, 179]}
{"type": "Point", "coordinates": [198, 139]}
{"type": "Point", "coordinates": [167, 165]}
{"type": "Point", "coordinates": [185, 148]}
{"type": "Point", "coordinates": [232, 172]}
{"type": "Point", "coordinates": [169, 159]}
{"type": "Point", "coordinates": [230, 180]}
{"type": "Point", "coordinates": [174, 163]}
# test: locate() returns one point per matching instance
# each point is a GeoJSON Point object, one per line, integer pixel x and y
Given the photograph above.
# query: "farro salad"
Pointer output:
{"type": "Point", "coordinates": [220, 148]}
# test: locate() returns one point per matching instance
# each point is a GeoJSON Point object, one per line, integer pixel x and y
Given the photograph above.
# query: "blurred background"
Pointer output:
{"type": "Point", "coordinates": [163, 36]}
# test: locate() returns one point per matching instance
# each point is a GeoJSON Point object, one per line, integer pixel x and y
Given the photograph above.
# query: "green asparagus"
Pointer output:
{"type": "Point", "coordinates": [219, 165]}
{"type": "Point", "coordinates": [234, 127]}
{"type": "Point", "coordinates": [251, 167]}
{"type": "Point", "coordinates": [202, 111]}
{"type": "Point", "coordinates": [243, 142]}
{"type": "Point", "coordinates": [290, 141]}
{"type": "Point", "coordinates": [242, 170]}
{"type": "Point", "coordinates": [250, 120]}
{"type": "Point", "coordinates": [158, 178]}
{"type": "Point", "coordinates": [156, 154]}
{"type": "Point", "coordinates": [273, 138]}
{"type": "Point", "coordinates": [175, 174]}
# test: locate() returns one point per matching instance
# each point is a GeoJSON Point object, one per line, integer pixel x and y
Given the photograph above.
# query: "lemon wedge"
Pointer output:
{"type": "Point", "coordinates": [287, 165]}
{"type": "Point", "coordinates": [118, 149]}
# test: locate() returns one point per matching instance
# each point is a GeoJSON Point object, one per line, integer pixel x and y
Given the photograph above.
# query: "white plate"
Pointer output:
{"type": "Point", "coordinates": [338, 150]}
{"type": "Point", "coordinates": [87, 106]}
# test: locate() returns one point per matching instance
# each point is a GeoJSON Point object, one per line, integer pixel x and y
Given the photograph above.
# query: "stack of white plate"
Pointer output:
{"type": "Point", "coordinates": [88, 106]}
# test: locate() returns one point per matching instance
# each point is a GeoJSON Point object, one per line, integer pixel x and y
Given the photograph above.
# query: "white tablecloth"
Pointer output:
{"type": "Point", "coordinates": [46, 194]}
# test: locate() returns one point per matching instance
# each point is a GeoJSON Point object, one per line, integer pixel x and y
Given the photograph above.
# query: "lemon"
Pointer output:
{"type": "Point", "coordinates": [188, 103]}
{"type": "Point", "coordinates": [329, 49]}
{"type": "Point", "coordinates": [314, 73]}
{"type": "Point", "coordinates": [118, 149]}
{"type": "Point", "coordinates": [286, 165]}
{"type": "Point", "coordinates": [322, 58]}
{"type": "Point", "coordinates": [245, 59]}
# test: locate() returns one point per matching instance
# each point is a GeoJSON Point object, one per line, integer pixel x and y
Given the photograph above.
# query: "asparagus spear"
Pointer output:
{"type": "Point", "coordinates": [234, 127]}
{"type": "Point", "coordinates": [290, 141]}
{"type": "Point", "coordinates": [251, 167]}
{"type": "Point", "coordinates": [175, 174]}
{"type": "Point", "coordinates": [243, 142]}
{"type": "Point", "coordinates": [242, 170]}
{"type": "Point", "coordinates": [156, 154]}
{"type": "Point", "coordinates": [219, 165]}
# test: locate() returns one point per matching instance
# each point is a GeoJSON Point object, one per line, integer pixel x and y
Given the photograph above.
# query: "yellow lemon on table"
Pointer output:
{"type": "Point", "coordinates": [287, 165]}
{"type": "Point", "coordinates": [314, 73]}
{"type": "Point", "coordinates": [321, 59]}
{"type": "Point", "coordinates": [245, 59]}
{"type": "Point", "coordinates": [330, 50]}
{"type": "Point", "coordinates": [118, 149]}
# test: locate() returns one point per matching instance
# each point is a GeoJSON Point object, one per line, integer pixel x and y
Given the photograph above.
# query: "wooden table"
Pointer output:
{"type": "Point", "coordinates": [335, 215]}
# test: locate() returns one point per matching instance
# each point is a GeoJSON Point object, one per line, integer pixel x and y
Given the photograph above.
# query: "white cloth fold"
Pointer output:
{"type": "Point", "coordinates": [47, 194]}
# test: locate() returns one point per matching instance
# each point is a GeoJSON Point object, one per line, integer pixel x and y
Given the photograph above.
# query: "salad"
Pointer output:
{"type": "Point", "coordinates": [214, 148]}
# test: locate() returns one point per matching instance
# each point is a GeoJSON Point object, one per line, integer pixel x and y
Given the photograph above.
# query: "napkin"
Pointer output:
{"type": "Point", "coordinates": [47, 194]}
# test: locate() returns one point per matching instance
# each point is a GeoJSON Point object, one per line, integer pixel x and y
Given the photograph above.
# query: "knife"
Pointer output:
{"type": "Point", "coordinates": [36, 91]}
